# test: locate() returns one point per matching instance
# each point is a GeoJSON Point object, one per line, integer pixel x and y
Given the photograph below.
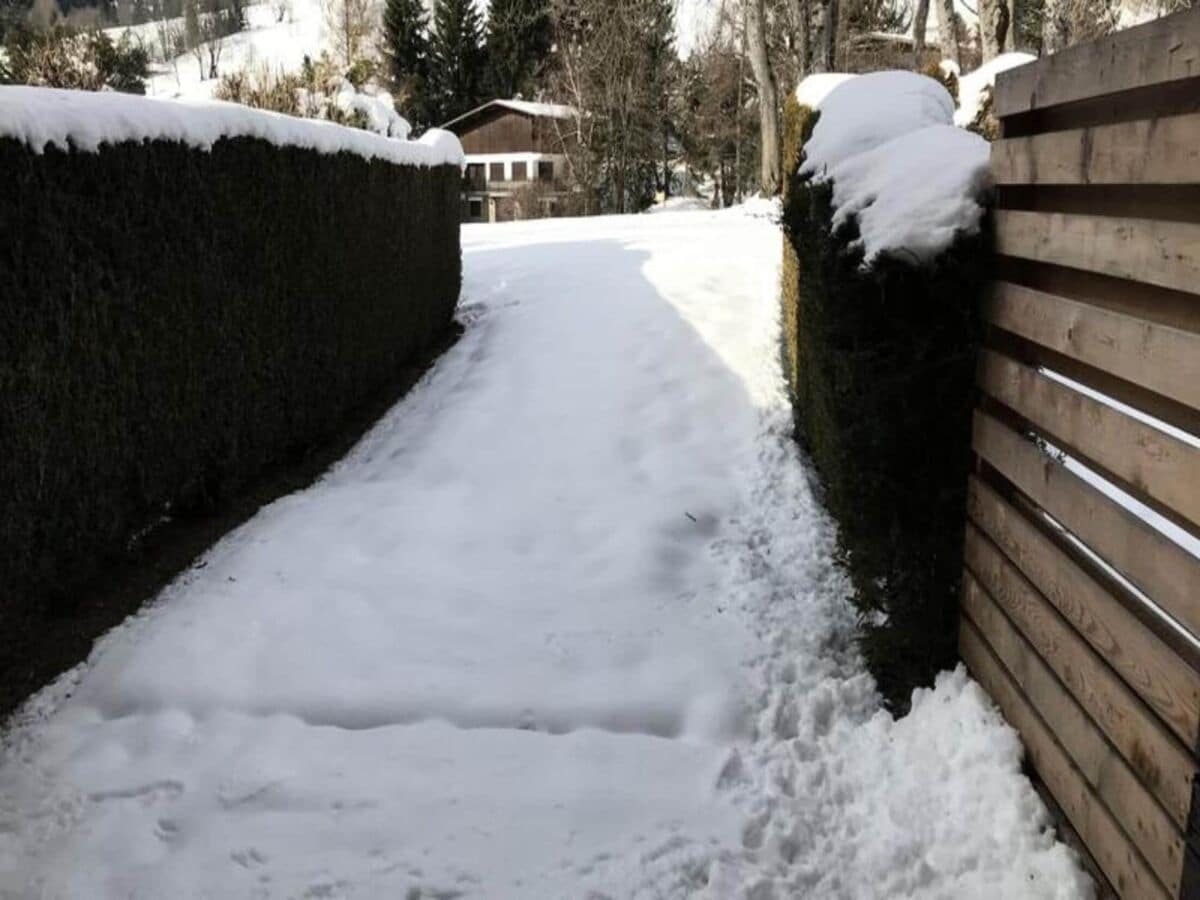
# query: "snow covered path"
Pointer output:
{"type": "Point", "coordinates": [564, 625]}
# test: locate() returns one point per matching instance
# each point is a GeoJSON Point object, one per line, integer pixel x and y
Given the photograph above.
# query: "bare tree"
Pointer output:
{"type": "Point", "coordinates": [947, 31]}
{"type": "Point", "coordinates": [824, 35]}
{"type": "Point", "coordinates": [350, 25]}
{"type": "Point", "coordinates": [920, 24]}
{"type": "Point", "coordinates": [995, 18]}
{"type": "Point", "coordinates": [768, 96]}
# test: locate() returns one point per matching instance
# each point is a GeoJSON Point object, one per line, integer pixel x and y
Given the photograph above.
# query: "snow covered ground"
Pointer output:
{"type": "Point", "coordinates": [267, 42]}
{"type": "Point", "coordinates": [565, 624]}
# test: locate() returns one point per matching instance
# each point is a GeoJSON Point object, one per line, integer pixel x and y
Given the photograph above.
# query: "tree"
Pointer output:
{"type": "Point", "coordinates": [349, 24]}
{"type": "Point", "coordinates": [518, 41]}
{"type": "Point", "coordinates": [768, 95]}
{"type": "Point", "coordinates": [457, 59]}
{"type": "Point", "coordinates": [662, 71]}
{"type": "Point", "coordinates": [404, 45]}
{"type": "Point", "coordinates": [824, 36]}
{"type": "Point", "coordinates": [947, 31]}
{"type": "Point", "coordinates": [612, 66]}
{"type": "Point", "coordinates": [995, 20]}
{"type": "Point", "coordinates": [920, 24]}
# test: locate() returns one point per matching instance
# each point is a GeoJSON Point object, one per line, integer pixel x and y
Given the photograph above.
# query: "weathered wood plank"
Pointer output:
{"type": "Point", "coordinates": [1165, 682]}
{"type": "Point", "coordinates": [1162, 763]}
{"type": "Point", "coordinates": [1149, 151]}
{"type": "Point", "coordinates": [1156, 357]}
{"type": "Point", "coordinates": [1156, 252]}
{"type": "Point", "coordinates": [1071, 755]}
{"type": "Point", "coordinates": [1164, 50]}
{"type": "Point", "coordinates": [1156, 565]}
{"type": "Point", "coordinates": [1163, 468]}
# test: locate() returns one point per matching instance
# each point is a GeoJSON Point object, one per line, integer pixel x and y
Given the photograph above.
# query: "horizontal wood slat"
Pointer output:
{"type": "Point", "coordinates": [1164, 50]}
{"type": "Point", "coordinates": [1159, 759]}
{"type": "Point", "coordinates": [1165, 682]}
{"type": "Point", "coordinates": [1150, 151]}
{"type": "Point", "coordinates": [1157, 252]}
{"type": "Point", "coordinates": [1030, 697]}
{"type": "Point", "coordinates": [1156, 357]}
{"type": "Point", "coordinates": [1165, 469]}
{"type": "Point", "coordinates": [1156, 565]}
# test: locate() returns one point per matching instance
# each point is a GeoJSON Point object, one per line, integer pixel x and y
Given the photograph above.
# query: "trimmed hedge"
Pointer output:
{"type": "Point", "coordinates": [173, 320]}
{"type": "Point", "coordinates": [880, 363]}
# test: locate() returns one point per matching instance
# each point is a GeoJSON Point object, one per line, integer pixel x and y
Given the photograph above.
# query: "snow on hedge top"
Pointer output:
{"type": "Point", "coordinates": [815, 88]}
{"type": "Point", "coordinates": [912, 195]}
{"type": "Point", "coordinates": [972, 85]}
{"type": "Point", "coordinates": [40, 117]}
{"type": "Point", "coordinates": [866, 111]}
{"type": "Point", "coordinates": [898, 165]}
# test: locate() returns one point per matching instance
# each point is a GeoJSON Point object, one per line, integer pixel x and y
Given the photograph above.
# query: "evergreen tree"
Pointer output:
{"type": "Point", "coordinates": [457, 61]}
{"type": "Point", "coordinates": [405, 49]}
{"type": "Point", "coordinates": [518, 41]}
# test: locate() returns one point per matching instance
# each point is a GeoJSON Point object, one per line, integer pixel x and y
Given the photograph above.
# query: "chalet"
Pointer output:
{"type": "Point", "coordinates": [515, 166]}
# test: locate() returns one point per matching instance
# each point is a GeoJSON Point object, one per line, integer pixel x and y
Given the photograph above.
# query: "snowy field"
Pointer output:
{"type": "Point", "coordinates": [564, 625]}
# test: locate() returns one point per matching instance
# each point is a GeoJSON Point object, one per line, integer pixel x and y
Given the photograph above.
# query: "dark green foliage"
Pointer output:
{"type": "Point", "coordinates": [881, 364]}
{"type": "Point", "coordinates": [63, 57]}
{"type": "Point", "coordinates": [518, 41]}
{"type": "Point", "coordinates": [405, 48]}
{"type": "Point", "coordinates": [173, 320]}
{"type": "Point", "coordinates": [457, 59]}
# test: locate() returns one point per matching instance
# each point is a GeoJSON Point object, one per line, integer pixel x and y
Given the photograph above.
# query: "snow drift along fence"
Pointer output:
{"type": "Point", "coordinates": [174, 318]}
{"type": "Point", "coordinates": [1081, 596]}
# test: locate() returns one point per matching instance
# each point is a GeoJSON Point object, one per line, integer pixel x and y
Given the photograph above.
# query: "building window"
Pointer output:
{"type": "Point", "coordinates": [545, 171]}
{"type": "Point", "coordinates": [496, 172]}
{"type": "Point", "coordinates": [520, 171]}
{"type": "Point", "coordinates": [475, 176]}
{"type": "Point", "coordinates": [476, 209]}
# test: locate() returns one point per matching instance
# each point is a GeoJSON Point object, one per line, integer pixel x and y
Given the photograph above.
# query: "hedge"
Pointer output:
{"type": "Point", "coordinates": [173, 320]}
{"type": "Point", "coordinates": [880, 365]}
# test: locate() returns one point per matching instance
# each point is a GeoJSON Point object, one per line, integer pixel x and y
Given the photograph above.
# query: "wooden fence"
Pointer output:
{"type": "Point", "coordinates": [1081, 597]}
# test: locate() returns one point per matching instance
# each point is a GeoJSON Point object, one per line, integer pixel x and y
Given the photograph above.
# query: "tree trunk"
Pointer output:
{"type": "Point", "coordinates": [993, 27]}
{"type": "Point", "coordinates": [803, 16]}
{"type": "Point", "coordinates": [946, 32]}
{"type": "Point", "coordinates": [1054, 26]}
{"type": "Point", "coordinates": [920, 23]}
{"type": "Point", "coordinates": [768, 96]}
{"type": "Point", "coordinates": [824, 37]}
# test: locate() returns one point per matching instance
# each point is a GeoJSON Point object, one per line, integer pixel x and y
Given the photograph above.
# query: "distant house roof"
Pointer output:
{"type": "Point", "coordinates": [525, 107]}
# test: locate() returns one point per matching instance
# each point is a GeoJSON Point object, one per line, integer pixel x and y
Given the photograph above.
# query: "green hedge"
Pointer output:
{"type": "Point", "coordinates": [880, 364]}
{"type": "Point", "coordinates": [174, 320]}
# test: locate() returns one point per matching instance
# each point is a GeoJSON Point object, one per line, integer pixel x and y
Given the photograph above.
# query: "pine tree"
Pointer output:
{"type": "Point", "coordinates": [518, 41]}
{"type": "Point", "coordinates": [457, 61]}
{"type": "Point", "coordinates": [405, 48]}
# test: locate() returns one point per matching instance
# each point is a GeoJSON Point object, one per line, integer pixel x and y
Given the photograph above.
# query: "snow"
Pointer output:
{"type": "Point", "coordinates": [379, 110]}
{"type": "Point", "coordinates": [910, 179]}
{"type": "Point", "coordinates": [679, 204]}
{"type": "Point", "coordinates": [41, 117]}
{"type": "Point", "coordinates": [266, 43]}
{"type": "Point", "coordinates": [813, 89]}
{"type": "Point", "coordinates": [971, 86]}
{"type": "Point", "coordinates": [548, 110]}
{"type": "Point", "coordinates": [566, 623]}
{"type": "Point", "coordinates": [863, 112]}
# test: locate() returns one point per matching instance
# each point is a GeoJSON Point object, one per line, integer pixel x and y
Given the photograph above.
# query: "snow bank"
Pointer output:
{"type": "Point", "coordinates": [972, 85]}
{"type": "Point", "coordinates": [811, 91]}
{"type": "Point", "coordinates": [41, 117]}
{"type": "Point", "coordinates": [898, 165]}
